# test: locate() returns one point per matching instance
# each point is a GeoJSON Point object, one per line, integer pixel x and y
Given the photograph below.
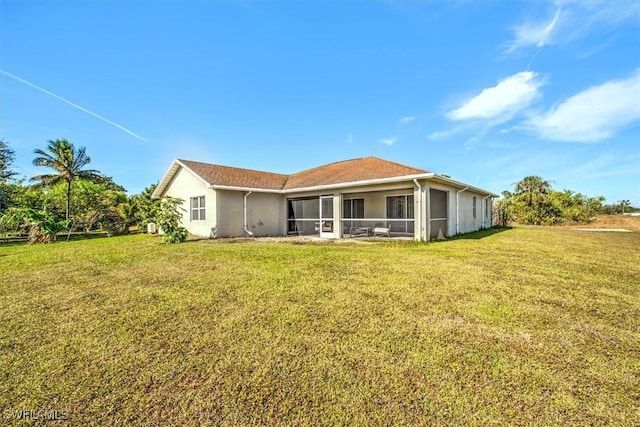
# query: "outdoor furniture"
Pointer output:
{"type": "Point", "coordinates": [359, 231]}
{"type": "Point", "coordinates": [385, 231]}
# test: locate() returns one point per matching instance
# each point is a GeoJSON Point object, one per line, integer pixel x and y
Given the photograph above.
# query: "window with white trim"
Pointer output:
{"type": "Point", "coordinates": [198, 209]}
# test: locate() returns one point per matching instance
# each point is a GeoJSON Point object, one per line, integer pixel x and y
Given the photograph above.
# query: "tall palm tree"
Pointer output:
{"type": "Point", "coordinates": [68, 161]}
{"type": "Point", "coordinates": [532, 189]}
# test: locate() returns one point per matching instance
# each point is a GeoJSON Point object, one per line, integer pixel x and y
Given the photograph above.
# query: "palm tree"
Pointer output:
{"type": "Point", "coordinates": [68, 162]}
{"type": "Point", "coordinates": [532, 189]}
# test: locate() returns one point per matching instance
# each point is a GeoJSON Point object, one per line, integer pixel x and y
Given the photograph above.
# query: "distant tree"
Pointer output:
{"type": "Point", "coordinates": [624, 203]}
{"type": "Point", "coordinates": [68, 161]}
{"type": "Point", "coordinates": [532, 190]}
{"type": "Point", "coordinates": [145, 208]}
{"type": "Point", "coordinates": [91, 203]}
{"type": "Point", "coordinates": [28, 196]}
{"type": "Point", "coordinates": [7, 156]}
{"type": "Point", "coordinates": [536, 202]}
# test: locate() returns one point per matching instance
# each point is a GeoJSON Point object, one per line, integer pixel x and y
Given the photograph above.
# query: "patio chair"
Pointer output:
{"type": "Point", "coordinates": [384, 231]}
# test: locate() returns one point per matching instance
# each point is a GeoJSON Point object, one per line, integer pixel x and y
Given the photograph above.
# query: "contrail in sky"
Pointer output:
{"type": "Point", "coordinates": [74, 105]}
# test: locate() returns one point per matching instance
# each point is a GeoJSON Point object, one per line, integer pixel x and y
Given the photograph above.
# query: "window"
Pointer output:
{"type": "Point", "coordinates": [353, 208]}
{"type": "Point", "coordinates": [474, 207]}
{"type": "Point", "coordinates": [197, 209]}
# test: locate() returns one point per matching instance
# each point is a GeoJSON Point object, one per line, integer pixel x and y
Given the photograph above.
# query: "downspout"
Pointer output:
{"type": "Point", "coordinates": [246, 226]}
{"type": "Point", "coordinates": [458, 209]}
{"type": "Point", "coordinates": [415, 181]}
{"type": "Point", "coordinates": [484, 209]}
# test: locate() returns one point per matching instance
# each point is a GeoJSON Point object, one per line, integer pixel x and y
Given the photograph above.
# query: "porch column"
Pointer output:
{"type": "Point", "coordinates": [337, 214]}
{"type": "Point", "coordinates": [420, 221]}
{"type": "Point", "coordinates": [285, 217]}
{"type": "Point", "coordinates": [427, 212]}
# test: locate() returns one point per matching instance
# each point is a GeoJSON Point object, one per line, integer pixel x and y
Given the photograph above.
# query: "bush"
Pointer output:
{"type": "Point", "coordinates": [113, 223]}
{"type": "Point", "coordinates": [179, 235]}
{"type": "Point", "coordinates": [169, 218]}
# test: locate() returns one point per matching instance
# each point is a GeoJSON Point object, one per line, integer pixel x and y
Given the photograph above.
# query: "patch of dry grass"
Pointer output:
{"type": "Point", "coordinates": [520, 327]}
{"type": "Point", "coordinates": [627, 222]}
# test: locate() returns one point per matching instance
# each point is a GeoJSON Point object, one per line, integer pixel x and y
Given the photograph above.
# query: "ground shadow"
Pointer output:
{"type": "Point", "coordinates": [60, 238]}
{"type": "Point", "coordinates": [477, 235]}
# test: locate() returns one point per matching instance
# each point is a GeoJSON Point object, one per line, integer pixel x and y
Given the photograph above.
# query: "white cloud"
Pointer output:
{"type": "Point", "coordinates": [572, 21]}
{"type": "Point", "coordinates": [594, 114]}
{"type": "Point", "coordinates": [407, 119]}
{"type": "Point", "coordinates": [388, 141]}
{"type": "Point", "coordinates": [533, 33]}
{"type": "Point", "coordinates": [442, 134]}
{"type": "Point", "coordinates": [502, 101]}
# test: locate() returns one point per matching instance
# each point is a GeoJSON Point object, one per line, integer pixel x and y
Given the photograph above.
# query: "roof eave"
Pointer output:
{"type": "Point", "coordinates": [358, 183]}
{"type": "Point", "coordinates": [459, 184]}
{"type": "Point", "coordinates": [252, 189]}
{"type": "Point", "coordinates": [168, 177]}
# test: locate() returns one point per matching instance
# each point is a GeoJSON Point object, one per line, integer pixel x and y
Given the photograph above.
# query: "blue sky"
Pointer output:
{"type": "Point", "coordinates": [486, 92]}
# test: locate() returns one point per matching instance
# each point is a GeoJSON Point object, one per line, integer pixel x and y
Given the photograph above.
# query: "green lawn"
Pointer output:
{"type": "Point", "coordinates": [518, 327]}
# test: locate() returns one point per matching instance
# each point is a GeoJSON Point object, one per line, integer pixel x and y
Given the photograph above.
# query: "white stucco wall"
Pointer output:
{"type": "Point", "coordinates": [467, 222]}
{"type": "Point", "coordinates": [184, 186]}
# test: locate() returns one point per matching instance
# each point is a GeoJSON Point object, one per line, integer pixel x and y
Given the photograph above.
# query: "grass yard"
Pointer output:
{"type": "Point", "coordinates": [519, 327]}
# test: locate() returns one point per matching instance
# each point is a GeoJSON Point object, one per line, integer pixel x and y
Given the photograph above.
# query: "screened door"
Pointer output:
{"type": "Point", "coordinates": [438, 213]}
{"type": "Point", "coordinates": [326, 216]}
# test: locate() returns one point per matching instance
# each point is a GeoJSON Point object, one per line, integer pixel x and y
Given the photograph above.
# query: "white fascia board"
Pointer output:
{"type": "Point", "coordinates": [459, 184]}
{"type": "Point", "coordinates": [245, 189]}
{"type": "Point", "coordinates": [359, 183]}
{"type": "Point", "coordinates": [166, 179]}
{"type": "Point", "coordinates": [169, 175]}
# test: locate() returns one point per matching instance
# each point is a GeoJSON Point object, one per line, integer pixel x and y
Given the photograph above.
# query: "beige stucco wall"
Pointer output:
{"type": "Point", "coordinates": [375, 198]}
{"type": "Point", "coordinates": [265, 214]}
{"type": "Point", "coordinates": [184, 186]}
{"type": "Point", "coordinates": [467, 223]}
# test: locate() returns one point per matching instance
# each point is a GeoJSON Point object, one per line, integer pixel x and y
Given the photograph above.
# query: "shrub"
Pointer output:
{"type": "Point", "coordinates": [113, 222]}
{"type": "Point", "coordinates": [169, 218]}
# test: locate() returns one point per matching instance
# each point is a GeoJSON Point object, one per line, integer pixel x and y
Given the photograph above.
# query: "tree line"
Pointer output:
{"type": "Point", "coordinates": [534, 201]}
{"type": "Point", "coordinates": [70, 197]}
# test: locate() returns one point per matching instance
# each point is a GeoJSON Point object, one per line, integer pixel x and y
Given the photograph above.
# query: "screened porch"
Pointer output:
{"type": "Point", "coordinates": [353, 214]}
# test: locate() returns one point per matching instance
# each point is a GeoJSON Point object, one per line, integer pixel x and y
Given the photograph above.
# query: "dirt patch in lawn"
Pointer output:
{"type": "Point", "coordinates": [631, 223]}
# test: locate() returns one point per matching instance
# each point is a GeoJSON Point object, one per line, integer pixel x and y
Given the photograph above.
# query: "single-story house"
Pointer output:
{"type": "Point", "coordinates": [364, 196]}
